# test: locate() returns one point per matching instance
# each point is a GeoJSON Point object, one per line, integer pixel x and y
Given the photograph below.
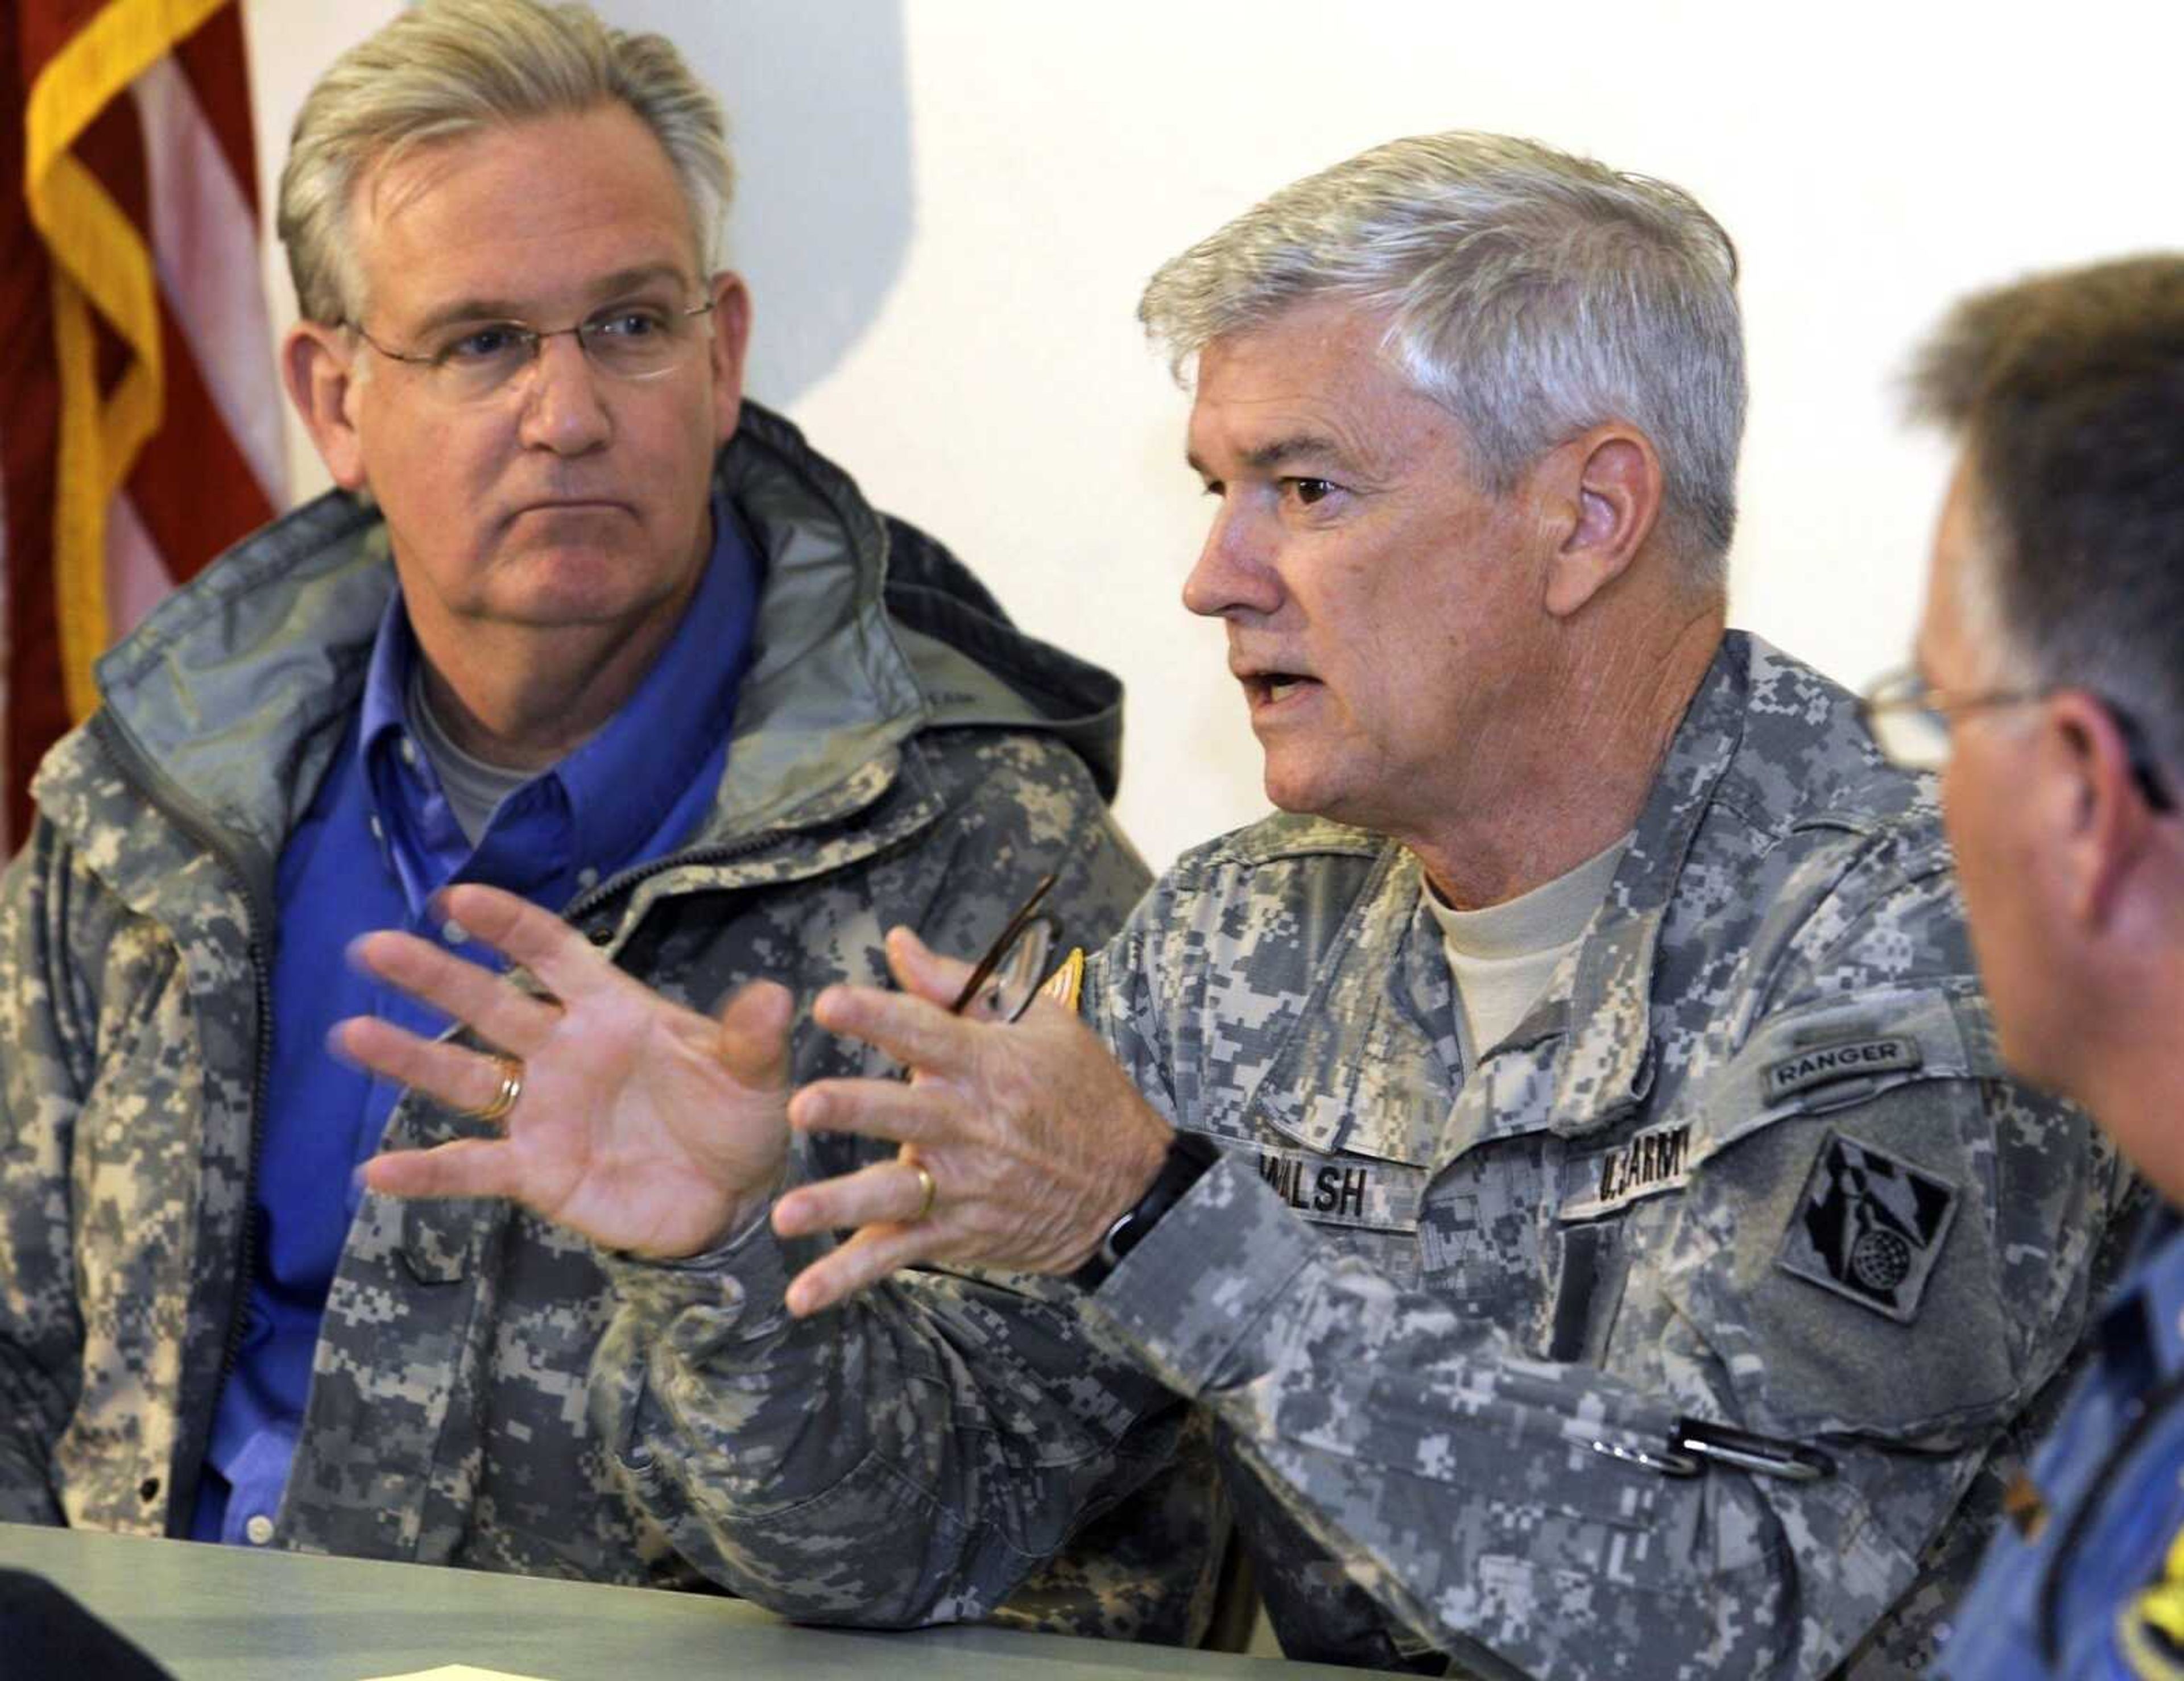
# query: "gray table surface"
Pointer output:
{"type": "Point", "coordinates": [214, 1613]}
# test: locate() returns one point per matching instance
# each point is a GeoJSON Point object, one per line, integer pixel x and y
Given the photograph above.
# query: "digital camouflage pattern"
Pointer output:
{"type": "Point", "coordinates": [1438, 1316]}
{"type": "Point", "coordinates": [883, 771]}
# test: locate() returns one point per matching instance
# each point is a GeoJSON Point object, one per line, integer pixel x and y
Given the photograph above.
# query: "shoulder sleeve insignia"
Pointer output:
{"type": "Point", "coordinates": [1066, 984]}
{"type": "Point", "coordinates": [1868, 1226]}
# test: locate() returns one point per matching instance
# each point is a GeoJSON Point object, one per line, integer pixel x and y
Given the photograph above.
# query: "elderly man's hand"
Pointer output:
{"type": "Point", "coordinates": [641, 1125]}
{"type": "Point", "coordinates": [1034, 1137]}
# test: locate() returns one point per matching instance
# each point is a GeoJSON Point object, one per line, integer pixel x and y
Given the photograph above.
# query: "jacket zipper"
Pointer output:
{"type": "Point", "coordinates": [159, 790]}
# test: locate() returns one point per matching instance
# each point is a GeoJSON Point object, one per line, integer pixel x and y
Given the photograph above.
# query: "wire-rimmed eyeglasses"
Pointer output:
{"type": "Point", "coordinates": [477, 360]}
{"type": "Point", "coordinates": [1016, 965]}
{"type": "Point", "coordinates": [1909, 720]}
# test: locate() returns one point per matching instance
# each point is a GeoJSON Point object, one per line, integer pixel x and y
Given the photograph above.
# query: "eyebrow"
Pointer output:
{"type": "Point", "coordinates": [1280, 452]}
{"type": "Point", "coordinates": [504, 310]}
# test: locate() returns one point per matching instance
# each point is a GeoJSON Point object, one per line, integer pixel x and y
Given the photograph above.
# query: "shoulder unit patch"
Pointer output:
{"type": "Point", "coordinates": [1868, 1226]}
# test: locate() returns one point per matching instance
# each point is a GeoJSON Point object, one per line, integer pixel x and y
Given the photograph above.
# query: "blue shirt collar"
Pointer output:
{"type": "Point", "coordinates": [614, 790]}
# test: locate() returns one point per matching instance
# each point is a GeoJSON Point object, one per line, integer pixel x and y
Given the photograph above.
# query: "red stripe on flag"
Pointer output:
{"type": "Point", "coordinates": [193, 488]}
{"type": "Point", "coordinates": [48, 25]}
{"type": "Point", "coordinates": [30, 430]}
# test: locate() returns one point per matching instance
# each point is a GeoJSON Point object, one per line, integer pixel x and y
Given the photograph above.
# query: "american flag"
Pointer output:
{"type": "Point", "coordinates": [140, 418]}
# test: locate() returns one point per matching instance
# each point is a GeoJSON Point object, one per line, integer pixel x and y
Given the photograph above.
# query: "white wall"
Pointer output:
{"type": "Point", "coordinates": [950, 206]}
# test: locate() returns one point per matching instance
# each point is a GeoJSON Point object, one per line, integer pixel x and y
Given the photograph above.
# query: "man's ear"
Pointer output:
{"type": "Point", "coordinates": [316, 368]}
{"type": "Point", "coordinates": [1603, 493]}
{"type": "Point", "coordinates": [732, 322]}
{"type": "Point", "coordinates": [2094, 814]}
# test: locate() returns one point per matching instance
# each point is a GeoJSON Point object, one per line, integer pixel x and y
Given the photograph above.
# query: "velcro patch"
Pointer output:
{"type": "Point", "coordinates": [1342, 1190]}
{"type": "Point", "coordinates": [1659, 1159]}
{"type": "Point", "coordinates": [1067, 983]}
{"type": "Point", "coordinates": [1824, 1065]}
{"type": "Point", "coordinates": [1869, 1227]}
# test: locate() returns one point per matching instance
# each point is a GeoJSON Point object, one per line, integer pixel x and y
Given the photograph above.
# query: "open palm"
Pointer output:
{"type": "Point", "coordinates": [641, 1125]}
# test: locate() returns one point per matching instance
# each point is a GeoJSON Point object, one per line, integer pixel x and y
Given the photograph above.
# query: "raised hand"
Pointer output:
{"type": "Point", "coordinates": [1032, 1136]}
{"type": "Point", "coordinates": [640, 1124]}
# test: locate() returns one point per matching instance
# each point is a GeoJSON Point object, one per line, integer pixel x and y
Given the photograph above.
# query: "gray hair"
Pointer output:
{"type": "Point", "coordinates": [448, 68]}
{"type": "Point", "coordinates": [1530, 293]}
{"type": "Point", "coordinates": [2066, 391]}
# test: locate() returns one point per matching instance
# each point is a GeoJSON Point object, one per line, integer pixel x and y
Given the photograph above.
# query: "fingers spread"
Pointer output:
{"type": "Point", "coordinates": [468, 1168]}
{"type": "Point", "coordinates": [561, 957]}
{"type": "Point", "coordinates": [858, 1264]}
{"type": "Point", "coordinates": [459, 1078]}
{"type": "Point", "coordinates": [754, 1037]}
{"type": "Point", "coordinates": [500, 1012]}
{"type": "Point", "coordinates": [900, 1112]}
{"type": "Point", "coordinates": [919, 969]}
{"type": "Point", "coordinates": [885, 1193]}
{"type": "Point", "coordinates": [915, 1032]}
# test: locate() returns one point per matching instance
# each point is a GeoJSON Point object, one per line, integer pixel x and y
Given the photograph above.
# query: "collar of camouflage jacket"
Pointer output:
{"type": "Point", "coordinates": [226, 705]}
{"type": "Point", "coordinates": [1606, 1066]}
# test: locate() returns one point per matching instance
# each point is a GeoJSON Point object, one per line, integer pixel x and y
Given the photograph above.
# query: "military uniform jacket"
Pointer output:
{"type": "Point", "coordinates": [1750, 1161]}
{"type": "Point", "coordinates": [901, 754]}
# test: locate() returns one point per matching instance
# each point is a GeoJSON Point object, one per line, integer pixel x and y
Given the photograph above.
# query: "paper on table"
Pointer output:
{"type": "Point", "coordinates": [455, 1672]}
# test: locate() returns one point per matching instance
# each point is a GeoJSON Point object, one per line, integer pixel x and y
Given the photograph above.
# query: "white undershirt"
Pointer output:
{"type": "Point", "coordinates": [1503, 956]}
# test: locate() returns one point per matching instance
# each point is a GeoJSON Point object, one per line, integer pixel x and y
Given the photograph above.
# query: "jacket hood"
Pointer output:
{"type": "Point", "coordinates": [895, 596]}
{"type": "Point", "coordinates": [868, 632]}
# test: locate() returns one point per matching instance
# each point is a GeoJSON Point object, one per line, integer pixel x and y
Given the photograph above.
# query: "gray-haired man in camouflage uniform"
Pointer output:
{"type": "Point", "coordinates": [1565, 1154]}
{"type": "Point", "coordinates": [601, 553]}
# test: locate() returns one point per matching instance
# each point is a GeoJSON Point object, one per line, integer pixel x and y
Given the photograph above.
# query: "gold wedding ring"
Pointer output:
{"type": "Point", "coordinates": [511, 1088]}
{"type": "Point", "coordinates": [931, 1190]}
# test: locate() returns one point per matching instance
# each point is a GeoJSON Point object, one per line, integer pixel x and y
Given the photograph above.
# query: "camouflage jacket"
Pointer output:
{"type": "Point", "coordinates": [901, 754]}
{"type": "Point", "coordinates": [1750, 1161]}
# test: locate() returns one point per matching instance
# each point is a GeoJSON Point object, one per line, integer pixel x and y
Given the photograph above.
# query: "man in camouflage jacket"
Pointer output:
{"type": "Point", "coordinates": [1447, 1317]}
{"type": "Point", "coordinates": [1686, 1322]}
{"type": "Point", "coordinates": [886, 768]}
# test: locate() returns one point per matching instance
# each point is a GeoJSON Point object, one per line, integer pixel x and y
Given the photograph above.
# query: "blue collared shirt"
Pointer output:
{"type": "Point", "coordinates": [378, 842]}
{"type": "Point", "coordinates": [2092, 1590]}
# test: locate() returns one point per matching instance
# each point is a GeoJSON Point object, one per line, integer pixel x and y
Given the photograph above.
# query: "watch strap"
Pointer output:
{"type": "Point", "coordinates": [1188, 1155]}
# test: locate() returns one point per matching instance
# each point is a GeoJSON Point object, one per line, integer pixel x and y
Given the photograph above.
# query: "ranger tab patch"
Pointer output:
{"type": "Point", "coordinates": [1869, 1227]}
{"type": "Point", "coordinates": [1850, 1059]}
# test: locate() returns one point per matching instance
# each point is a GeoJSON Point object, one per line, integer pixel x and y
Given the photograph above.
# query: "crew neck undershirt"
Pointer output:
{"type": "Point", "coordinates": [473, 787]}
{"type": "Point", "coordinates": [1503, 956]}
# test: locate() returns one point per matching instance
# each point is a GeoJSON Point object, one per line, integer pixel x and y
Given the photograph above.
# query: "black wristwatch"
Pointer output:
{"type": "Point", "coordinates": [1188, 1155]}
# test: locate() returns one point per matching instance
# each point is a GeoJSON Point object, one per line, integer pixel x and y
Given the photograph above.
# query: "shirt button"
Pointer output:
{"type": "Point", "coordinates": [260, 1530]}
{"type": "Point", "coordinates": [587, 877]}
{"type": "Point", "coordinates": [453, 933]}
{"type": "Point", "coordinates": [377, 833]}
{"type": "Point", "coordinates": [409, 751]}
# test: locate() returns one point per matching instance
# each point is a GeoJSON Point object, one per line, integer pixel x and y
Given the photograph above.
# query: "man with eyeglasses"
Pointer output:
{"type": "Point", "coordinates": [580, 622]}
{"type": "Point", "coordinates": [2048, 692]}
{"type": "Point", "coordinates": [1564, 1153]}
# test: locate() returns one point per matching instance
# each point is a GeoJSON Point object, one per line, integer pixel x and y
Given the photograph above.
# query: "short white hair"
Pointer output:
{"type": "Point", "coordinates": [448, 68]}
{"type": "Point", "coordinates": [1530, 293]}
